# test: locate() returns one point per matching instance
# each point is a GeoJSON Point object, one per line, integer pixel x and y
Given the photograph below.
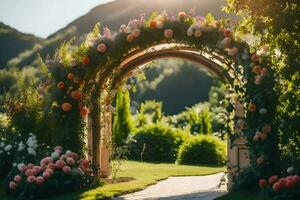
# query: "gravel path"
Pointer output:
{"type": "Point", "coordinates": [181, 188]}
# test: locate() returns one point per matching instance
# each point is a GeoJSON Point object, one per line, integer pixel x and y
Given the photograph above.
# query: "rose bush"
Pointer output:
{"type": "Point", "coordinates": [284, 188]}
{"type": "Point", "coordinates": [54, 174]}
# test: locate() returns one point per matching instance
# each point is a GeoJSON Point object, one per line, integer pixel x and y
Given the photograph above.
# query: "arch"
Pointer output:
{"type": "Point", "coordinates": [97, 66]}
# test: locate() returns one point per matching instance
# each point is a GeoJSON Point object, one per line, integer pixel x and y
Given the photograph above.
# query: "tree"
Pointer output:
{"type": "Point", "coordinates": [122, 123]}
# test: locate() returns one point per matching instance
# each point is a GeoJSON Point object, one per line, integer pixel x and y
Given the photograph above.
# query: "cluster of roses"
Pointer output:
{"type": "Point", "coordinates": [67, 163]}
{"type": "Point", "coordinates": [278, 184]}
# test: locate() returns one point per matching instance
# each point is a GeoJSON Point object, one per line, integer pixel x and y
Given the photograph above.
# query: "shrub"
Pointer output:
{"type": "Point", "coordinates": [61, 172]}
{"type": "Point", "coordinates": [202, 149]}
{"type": "Point", "coordinates": [156, 142]}
{"type": "Point", "coordinates": [16, 150]}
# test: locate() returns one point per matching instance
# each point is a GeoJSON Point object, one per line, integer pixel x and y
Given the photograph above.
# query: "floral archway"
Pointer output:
{"type": "Point", "coordinates": [85, 78]}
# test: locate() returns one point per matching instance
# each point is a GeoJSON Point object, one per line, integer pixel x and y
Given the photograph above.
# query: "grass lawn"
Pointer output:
{"type": "Point", "coordinates": [242, 196]}
{"type": "Point", "coordinates": [144, 174]}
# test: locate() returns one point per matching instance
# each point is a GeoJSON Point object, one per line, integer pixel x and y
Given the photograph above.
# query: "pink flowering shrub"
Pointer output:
{"type": "Point", "coordinates": [281, 188]}
{"type": "Point", "coordinates": [57, 173]}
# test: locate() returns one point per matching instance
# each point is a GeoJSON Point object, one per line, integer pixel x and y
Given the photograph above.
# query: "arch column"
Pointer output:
{"type": "Point", "coordinates": [106, 144]}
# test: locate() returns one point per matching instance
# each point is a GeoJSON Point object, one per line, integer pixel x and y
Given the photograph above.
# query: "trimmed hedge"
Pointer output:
{"type": "Point", "coordinates": [203, 149]}
{"type": "Point", "coordinates": [156, 142]}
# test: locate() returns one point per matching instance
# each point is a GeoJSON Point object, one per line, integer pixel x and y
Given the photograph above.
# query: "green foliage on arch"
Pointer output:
{"type": "Point", "coordinates": [79, 72]}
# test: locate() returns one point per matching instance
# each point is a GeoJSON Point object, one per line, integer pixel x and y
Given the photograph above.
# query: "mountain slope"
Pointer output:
{"type": "Point", "coordinates": [14, 42]}
{"type": "Point", "coordinates": [115, 13]}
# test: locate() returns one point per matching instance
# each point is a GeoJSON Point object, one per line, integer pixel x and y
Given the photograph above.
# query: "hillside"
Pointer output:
{"type": "Point", "coordinates": [14, 42]}
{"type": "Point", "coordinates": [111, 15]}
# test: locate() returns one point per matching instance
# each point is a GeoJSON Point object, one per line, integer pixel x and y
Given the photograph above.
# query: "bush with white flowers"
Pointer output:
{"type": "Point", "coordinates": [23, 150]}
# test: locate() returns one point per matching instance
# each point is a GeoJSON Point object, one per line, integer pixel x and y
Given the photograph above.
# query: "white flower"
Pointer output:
{"type": "Point", "coordinates": [2, 145]}
{"type": "Point", "coordinates": [190, 32]}
{"type": "Point", "coordinates": [8, 147]}
{"type": "Point", "coordinates": [263, 111]}
{"type": "Point", "coordinates": [54, 155]}
{"type": "Point", "coordinates": [21, 146]}
{"type": "Point", "coordinates": [31, 151]}
{"type": "Point", "coordinates": [290, 170]}
{"type": "Point", "coordinates": [14, 164]}
{"type": "Point", "coordinates": [1, 152]}
{"type": "Point", "coordinates": [20, 166]}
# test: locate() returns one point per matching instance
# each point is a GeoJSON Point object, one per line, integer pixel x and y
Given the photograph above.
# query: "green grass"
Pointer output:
{"type": "Point", "coordinates": [242, 196]}
{"type": "Point", "coordinates": [144, 174]}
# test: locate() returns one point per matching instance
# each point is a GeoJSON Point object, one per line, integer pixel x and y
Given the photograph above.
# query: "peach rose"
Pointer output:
{"type": "Point", "coordinates": [181, 14]}
{"type": "Point", "coordinates": [61, 85]}
{"type": "Point", "coordinates": [256, 69]}
{"type": "Point", "coordinates": [130, 38]}
{"type": "Point", "coordinates": [252, 107]}
{"type": "Point", "coordinates": [85, 60]}
{"type": "Point", "coordinates": [136, 32]}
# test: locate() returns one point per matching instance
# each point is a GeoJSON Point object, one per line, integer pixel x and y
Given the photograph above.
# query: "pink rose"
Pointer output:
{"type": "Point", "coordinates": [136, 33]}
{"type": "Point", "coordinates": [50, 171]}
{"type": "Point", "coordinates": [168, 33]}
{"type": "Point", "coordinates": [58, 148]}
{"type": "Point", "coordinates": [46, 160]}
{"type": "Point", "coordinates": [12, 185]}
{"type": "Point", "coordinates": [17, 178]}
{"type": "Point", "coordinates": [36, 169]}
{"type": "Point", "coordinates": [31, 179]}
{"type": "Point", "coordinates": [46, 174]}
{"type": "Point", "coordinates": [85, 163]}
{"type": "Point", "coordinates": [72, 155]}
{"type": "Point", "coordinates": [101, 48]}
{"type": "Point", "coordinates": [70, 161]}
{"type": "Point", "coordinates": [30, 165]}
{"type": "Point", "coordinates": [23, 168]}
{"type": "Point", "coordinates": [40, 180]}
{"type": "Point", "coordinates": [67, 169]}
{"type": "Point", "coordinates": [51, 166]}
{"type": "Point", "coordinates": [28, 172]}
{"type": "Point", "coordinates": [60, 164]}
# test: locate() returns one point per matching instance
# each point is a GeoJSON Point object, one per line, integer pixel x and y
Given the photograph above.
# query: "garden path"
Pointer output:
{"type": "Point", "coordinates": [181, 188]}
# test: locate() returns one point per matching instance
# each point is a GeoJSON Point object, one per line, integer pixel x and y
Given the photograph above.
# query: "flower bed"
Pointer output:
{"type": "Point", "coordinates": [58, 173]}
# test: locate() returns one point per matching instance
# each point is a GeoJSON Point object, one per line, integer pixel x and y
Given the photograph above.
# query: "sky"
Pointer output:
{"type": "Point", "coordinates": [43, 17]}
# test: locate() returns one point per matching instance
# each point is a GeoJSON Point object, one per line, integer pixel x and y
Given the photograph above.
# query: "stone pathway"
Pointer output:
{"type": "Point", "coordinates": [181, 188]}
